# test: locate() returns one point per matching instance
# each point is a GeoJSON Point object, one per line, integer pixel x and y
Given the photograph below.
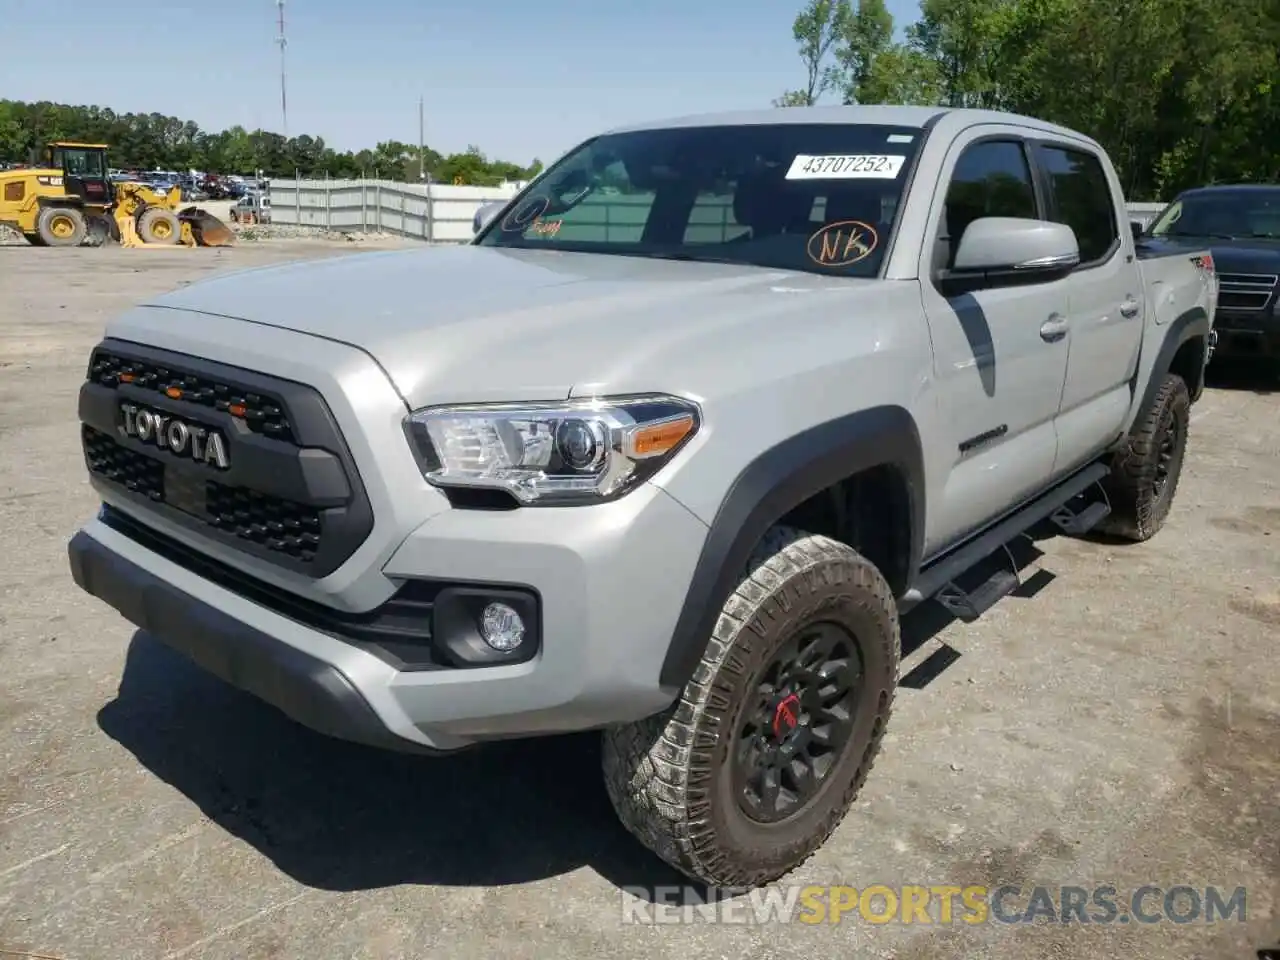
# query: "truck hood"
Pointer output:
{"type": "Point", "coordinates": [474, 324]}
{"type": "Point", "coordinates": [1246, 255]}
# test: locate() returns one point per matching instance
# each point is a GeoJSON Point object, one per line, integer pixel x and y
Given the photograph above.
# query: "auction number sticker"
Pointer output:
{"type": "Point", "coordinates": [863, 166]}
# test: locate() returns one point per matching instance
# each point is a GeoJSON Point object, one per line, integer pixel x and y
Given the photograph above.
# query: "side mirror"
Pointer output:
{"type": "Point", "coordinates": [486, 213]}
{"type": "Point", "coordinates": [1009, 251]}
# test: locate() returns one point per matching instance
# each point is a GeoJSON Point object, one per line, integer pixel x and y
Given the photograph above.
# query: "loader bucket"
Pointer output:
{"type": "Point", "coordinates": [207, 229]}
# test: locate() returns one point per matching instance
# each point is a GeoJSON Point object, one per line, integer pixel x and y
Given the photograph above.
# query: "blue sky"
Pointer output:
{"type": "Point", "coordinates": [518, 79]}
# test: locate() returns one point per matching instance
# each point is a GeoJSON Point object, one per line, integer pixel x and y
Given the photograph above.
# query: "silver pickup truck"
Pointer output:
{"type": "Point", "coordinates": [665, 452]}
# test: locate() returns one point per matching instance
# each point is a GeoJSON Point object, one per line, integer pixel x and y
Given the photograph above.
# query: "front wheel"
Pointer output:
{"type": "Point", "coordinates": [159, 226]}
{"type": "Point", "coordinates": [1145, 473]}
{"type": "Point", "coordinates": [763, 754]}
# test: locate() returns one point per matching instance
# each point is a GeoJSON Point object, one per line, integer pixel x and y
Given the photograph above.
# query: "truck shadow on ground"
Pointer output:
{"type": "Point", "coordinates": [340, 816]}
{"type": "Point", "coordinates": [343, 817]}
{"type": "Point", "coordinates": [1255, 375]}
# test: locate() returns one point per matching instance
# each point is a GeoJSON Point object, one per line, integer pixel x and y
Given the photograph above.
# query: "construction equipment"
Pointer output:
{"type": "Point", "coordinates": [144, 217]}
{"type": "Point", "coordinates": [69, 200]}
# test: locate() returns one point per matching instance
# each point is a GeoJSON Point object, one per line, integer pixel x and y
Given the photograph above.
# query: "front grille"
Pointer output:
{"type": "Point", "coordinates": [262, 414]}
{"type": "Point", "coordinates": [275, 523]}
{"type": "Point", "coordinates": [284, 487]}
{"type": "Point", "coordinates": [1245, 291]}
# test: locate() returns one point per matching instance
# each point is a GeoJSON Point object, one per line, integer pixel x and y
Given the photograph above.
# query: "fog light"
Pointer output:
{"type": "Point", "coordinates": [501, 627]}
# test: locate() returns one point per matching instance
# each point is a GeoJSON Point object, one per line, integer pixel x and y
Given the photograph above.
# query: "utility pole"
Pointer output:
{"type": "Point", "coordinates": [422, 143]}
{"type": "Point", "coordinates": [284, 109]}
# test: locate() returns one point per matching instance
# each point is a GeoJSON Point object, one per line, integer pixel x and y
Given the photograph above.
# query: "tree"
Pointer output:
{"type": "Point", "coordinates": [153, 141]}
{"type": "Point", "coordinates": [864, 38]}
{"type": "Point", "coordinates": [1179, 92]}
{"type": "Point", "coordinates": [816, 29]}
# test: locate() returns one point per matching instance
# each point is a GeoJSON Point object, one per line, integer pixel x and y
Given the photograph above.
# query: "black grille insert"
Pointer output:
{"type": "Point", "coordinates": [275, 523]}
{"type": "Point", "coordinates": [263, 414]}
{"type": "Point", "coordinates": [287, 490]}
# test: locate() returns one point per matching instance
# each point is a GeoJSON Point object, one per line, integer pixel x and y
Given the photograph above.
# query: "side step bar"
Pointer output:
{"type": "Point", "coordinates": [937, 580]}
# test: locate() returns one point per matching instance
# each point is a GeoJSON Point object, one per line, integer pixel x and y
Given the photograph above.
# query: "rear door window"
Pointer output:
{"type": "Point", "coordinates": [1080, 197]}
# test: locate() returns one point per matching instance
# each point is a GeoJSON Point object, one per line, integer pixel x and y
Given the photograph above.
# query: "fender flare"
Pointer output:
{"type": "Point", "coordinates": [775, 482]}
{"type": "Point", "coordinates": [1191, 323]}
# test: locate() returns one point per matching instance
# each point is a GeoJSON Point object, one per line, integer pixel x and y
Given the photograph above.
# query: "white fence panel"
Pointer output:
{"type": "Point", "coordinates": [433, 212]}
{"type": "Point", "coordinates": [443, 213]}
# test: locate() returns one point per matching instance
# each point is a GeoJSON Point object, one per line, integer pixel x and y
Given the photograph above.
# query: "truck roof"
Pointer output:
{"type": "Point", "coordinates": [888, 114]}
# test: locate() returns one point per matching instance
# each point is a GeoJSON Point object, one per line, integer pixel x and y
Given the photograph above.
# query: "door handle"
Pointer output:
{"type": "Point", "coordinates": [1129, 309]}
{"type": "Point", "coordinates": [1053, 329]}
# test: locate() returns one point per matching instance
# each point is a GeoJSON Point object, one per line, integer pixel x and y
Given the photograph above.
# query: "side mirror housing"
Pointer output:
{"type": "Point", "coordinates": [1010, 251]}
{"type": "Point", "coordinates": [485, 214]}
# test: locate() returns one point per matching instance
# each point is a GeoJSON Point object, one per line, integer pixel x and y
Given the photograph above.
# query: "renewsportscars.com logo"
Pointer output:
{"type": "Point", "coordinates": [939, 904]}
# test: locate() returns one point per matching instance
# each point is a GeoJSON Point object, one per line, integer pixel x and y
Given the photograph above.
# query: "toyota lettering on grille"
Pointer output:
{"type": "Point", "coordinates": [183, 439]}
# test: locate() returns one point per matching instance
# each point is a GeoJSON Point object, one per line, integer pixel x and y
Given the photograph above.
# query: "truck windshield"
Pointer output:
{"type": "Point", "coordinates": [1226, 214]}
{"type": "Point", "coordinates": [815, 197]}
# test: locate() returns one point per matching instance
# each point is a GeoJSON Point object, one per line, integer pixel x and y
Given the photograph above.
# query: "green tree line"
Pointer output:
{"type": "Point", "coordinates": [1179, 92]}
{"type": "Point", "coordinates": [150, 141]}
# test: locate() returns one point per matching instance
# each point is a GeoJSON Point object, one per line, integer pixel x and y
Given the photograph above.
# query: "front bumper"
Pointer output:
{"type": "Point", "coordinates": [609, 579]}
{"type": "Point", "coordinates": [314, 693]}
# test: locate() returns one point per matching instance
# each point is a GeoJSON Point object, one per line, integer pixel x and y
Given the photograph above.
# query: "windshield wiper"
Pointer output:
{"type": "Point", "coordinates": [688, 258]}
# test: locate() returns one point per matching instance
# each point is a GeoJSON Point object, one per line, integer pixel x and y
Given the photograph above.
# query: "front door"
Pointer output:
{"type": "Point", "coordinates": [1000, 355]}
{"type": "Point", "coordinates": [84, 174]}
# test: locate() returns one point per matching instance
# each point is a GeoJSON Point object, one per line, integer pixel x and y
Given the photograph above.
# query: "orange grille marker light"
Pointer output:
{"type": "Point", "coordinates": [659, 438]}
{"type": "Point", "coordinates": [173, 393]}
{"type": "Point", "coordinates": [236, 410]}
{"type": "Point", "coordinates": [126, 378]}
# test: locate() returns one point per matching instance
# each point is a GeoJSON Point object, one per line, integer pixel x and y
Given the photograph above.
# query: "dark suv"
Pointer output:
{"type": "Point", "coordinates": [1240, 224]}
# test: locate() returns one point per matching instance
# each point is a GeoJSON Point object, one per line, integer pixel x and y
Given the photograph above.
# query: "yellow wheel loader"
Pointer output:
{"type": "Point", "coordinates": [69, 200]}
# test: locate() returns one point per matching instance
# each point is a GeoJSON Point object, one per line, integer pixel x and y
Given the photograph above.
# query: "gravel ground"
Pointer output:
{"type": "Point", "coordinates": [1118, 723]}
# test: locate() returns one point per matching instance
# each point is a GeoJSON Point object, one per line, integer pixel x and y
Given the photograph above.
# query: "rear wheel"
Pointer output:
{"type": "Point", "coordinates": [768, 745]}
{"type": "Point", "coordinates": [60, 227]}
{"type": "Point", "coordinates": [1145, 474]}
{"type": "Point", "coordinates": [159, 226]}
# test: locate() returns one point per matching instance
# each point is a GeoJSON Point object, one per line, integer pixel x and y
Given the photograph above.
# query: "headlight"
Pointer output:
{"type": "Point", "coordinates": [576, 451]}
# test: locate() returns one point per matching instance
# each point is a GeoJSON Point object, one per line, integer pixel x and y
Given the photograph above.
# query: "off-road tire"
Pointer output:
{"type": "Point", "coordinates": [669, 776]}
{"type": "Point", "coordinates": [1138, 508]}
{"type": "Point", "coordinates": [46, 231]}
{"type": "Point", "coordinates": [152, 223]}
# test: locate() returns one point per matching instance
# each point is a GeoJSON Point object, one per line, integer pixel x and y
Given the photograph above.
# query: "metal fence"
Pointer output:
{"type": "Point", "coordinates": [435, 212]}
{"type": "Point", "coordinates": [439, 213]}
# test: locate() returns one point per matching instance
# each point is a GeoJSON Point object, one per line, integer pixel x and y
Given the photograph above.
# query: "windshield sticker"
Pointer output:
{"type": "Point", "coordinates": [845, 167]}
{"type": "Point", "coordinates": [842, 243]}
{"type": "Point", "coordinates": [545, 228]}
{"type": "Point", "coordinates": [900, 138]}
{"type": "Point", "coordinates": [529, 211]}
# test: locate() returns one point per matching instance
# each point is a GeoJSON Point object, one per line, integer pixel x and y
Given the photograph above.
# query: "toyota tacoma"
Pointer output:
{"type": "Point", "coordinates": [665, 452]}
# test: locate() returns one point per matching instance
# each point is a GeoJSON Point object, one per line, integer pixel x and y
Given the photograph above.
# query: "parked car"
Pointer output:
{"type": "Point", "coordinates": [252, 208]}
{"type": "Point", "coordinates": [1240, 224]}
{"type": "Point", "coordinates": [670, 470]}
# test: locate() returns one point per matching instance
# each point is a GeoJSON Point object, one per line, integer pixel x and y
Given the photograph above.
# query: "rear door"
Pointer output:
{"type": "Point", "coordinates": [1105, 298]}
{"type": "Point", "coordinates": [1000, 359]}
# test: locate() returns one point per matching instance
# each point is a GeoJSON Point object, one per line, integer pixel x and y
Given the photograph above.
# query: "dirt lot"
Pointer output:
{"type": "Point", "coordinates": [1119, 726]}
